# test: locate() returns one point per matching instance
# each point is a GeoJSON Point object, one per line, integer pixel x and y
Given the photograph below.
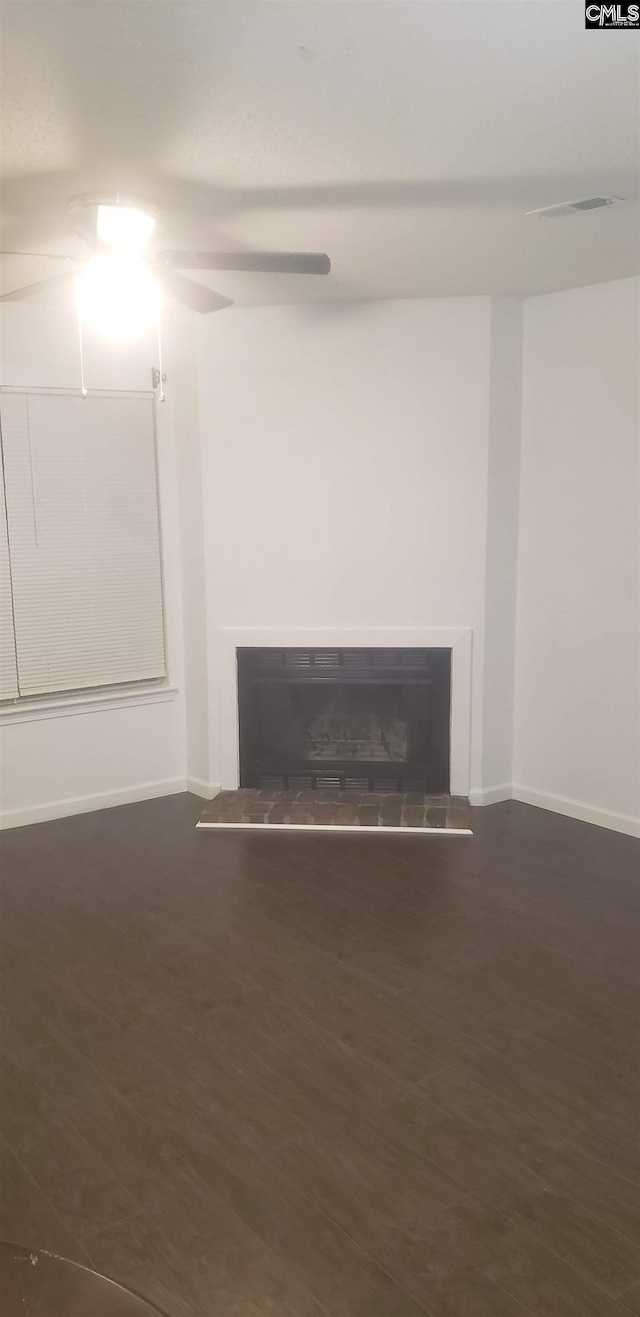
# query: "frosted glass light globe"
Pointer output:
{"type": "Point", "coordinates": [124, 228]}
{"type": "Point", "coordinates": [118, 297]}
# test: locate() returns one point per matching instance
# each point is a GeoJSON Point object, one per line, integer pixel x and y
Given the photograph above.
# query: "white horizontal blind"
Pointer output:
{"type": "Point", "coordinates": [8, 666]}
{"type": "Point", "coordinates": [80, 481]}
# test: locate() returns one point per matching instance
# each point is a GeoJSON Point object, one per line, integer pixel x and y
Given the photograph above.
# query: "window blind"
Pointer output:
{"type": "Point", "coordinates": [83, 537]}
{"type": "Point", "coordinates": [8, 665]}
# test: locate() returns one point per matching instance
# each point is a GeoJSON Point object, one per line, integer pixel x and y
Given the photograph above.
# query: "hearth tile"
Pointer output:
{"type": "Point", "coordinates": [391, 811]}
{"type": "Point", "coordinates": [322, 812]}
{"type": "Point", "coordinates": [279, 812]}
{"type": "Point", "coordinates": [413, 815]}
{"type": "Point", "coordinates": [457, 816]}
{"type": "Point", "coordinates": [436, 816]}
{"type": "Point", "coordinates": [348, 813]}
{"type": "Point", "coordinates": [360, 811]}
{"type": "Point", "coordinates": [369, 816]}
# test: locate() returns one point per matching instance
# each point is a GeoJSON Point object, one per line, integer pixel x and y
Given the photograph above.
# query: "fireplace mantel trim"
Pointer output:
{"type": "Point", "coordinates": [458, 639]}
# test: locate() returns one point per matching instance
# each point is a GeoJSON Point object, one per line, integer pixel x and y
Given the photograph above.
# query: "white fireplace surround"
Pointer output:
{"type": "Point", "coordinates": [458, 640]}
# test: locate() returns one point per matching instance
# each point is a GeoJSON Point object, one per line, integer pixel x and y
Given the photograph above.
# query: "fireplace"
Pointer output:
{"type": "Point", "coordinates": [374, 719]}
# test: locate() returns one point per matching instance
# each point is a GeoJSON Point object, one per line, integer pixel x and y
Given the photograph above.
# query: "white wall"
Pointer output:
{"type": "Point", "coordinates": [56, 765]}
{"type": "Point", "coordinates": [345, 459]}
{"type": "Point", "coordinates": [577, 710]}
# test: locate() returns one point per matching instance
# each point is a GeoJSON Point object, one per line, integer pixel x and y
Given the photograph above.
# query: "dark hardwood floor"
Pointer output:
{"type": "Point", "coordinates": [251, 1074]}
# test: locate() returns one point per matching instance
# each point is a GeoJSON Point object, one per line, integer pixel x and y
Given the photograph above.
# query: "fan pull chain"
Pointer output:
{"type": "Point", "coordinates": [161, 377]}
{"type": "Point", "coordinates": [83, 391]}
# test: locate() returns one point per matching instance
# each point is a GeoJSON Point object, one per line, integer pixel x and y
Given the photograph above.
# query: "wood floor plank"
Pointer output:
{"type": "Point", "coordinates": [542, 1081]}
{"type": "Point", "coordinates": [531, 1273]}
{"type": "Point", "coordinates": [589, 1182]}
{"type": "Point", "coordinates": [480, 1167]}
{"type": "Point", "coordinates": [80, 1187]}
{"type": "Point", "coordinates": [386, 1203]}
{"type": "Point", "coordinates": [26, 1216]}
{"type": "Point", "coordinates": [613, 1141]}
{"type": "Point", "coordinates": [630, 1300]}
{"type": "Point", "coordinates": [204, 1255]}
{"type": "Point", "coordinates": [342, 1277]}
{"type": "Point", "coordinates": [390, 1223]}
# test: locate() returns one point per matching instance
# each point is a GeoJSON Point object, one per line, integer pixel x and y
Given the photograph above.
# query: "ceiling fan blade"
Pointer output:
{"type": "Point", "coordinates": [190, 293]}
{"type": "Point", "coordinates": [48, 256]}
{"type": "Point", "coordinates": [43, 286]}
{"type": "Point", "coordinates": [255, 262]}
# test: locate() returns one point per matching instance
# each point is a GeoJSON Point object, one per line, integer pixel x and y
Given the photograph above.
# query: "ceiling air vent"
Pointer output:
{"type": "Point", "coordinates": [569, 207]}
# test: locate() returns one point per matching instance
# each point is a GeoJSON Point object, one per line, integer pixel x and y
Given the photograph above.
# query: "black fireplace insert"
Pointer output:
{"type": "Point", "coordinates": [346, 719]}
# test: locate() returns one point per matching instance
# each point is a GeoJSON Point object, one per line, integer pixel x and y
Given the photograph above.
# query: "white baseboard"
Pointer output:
{"type": "Point", "coordinates": [490, 795]}
{"type": "Point", "coordinates": [60, 809]}
{"type": "Point", "coordinates": [340, 827]}
{"type": "Point", "coordinates": [576, 809]}
{"type": "Point", "coordinates": [198, 787]}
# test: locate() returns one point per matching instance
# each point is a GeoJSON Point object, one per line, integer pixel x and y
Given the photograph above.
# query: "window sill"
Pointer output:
{"type": "Point", "coordinates": [65, 706]}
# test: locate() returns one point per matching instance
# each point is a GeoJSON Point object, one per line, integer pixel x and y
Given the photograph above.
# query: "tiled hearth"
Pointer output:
{"type": "Point", "coordinates": [338, 810]}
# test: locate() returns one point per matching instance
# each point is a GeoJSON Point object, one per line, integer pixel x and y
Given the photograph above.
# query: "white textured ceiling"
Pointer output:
{"type": "Point", "coordinates": [405, 139]}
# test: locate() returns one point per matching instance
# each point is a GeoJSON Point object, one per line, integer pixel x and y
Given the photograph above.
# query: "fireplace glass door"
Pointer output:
{"type": "Point", "coordinates": [364, 719]}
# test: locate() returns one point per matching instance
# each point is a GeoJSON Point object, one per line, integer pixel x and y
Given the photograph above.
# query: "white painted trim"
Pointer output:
{"type": "Point", "coordinates": [490, 795]}
{"type": "Point", "coordinates": [458, 639]}
{"type": "Point", "coordinates": [577, 809]}
{"type": "Point", "coordinates": [342, 827]}
{"type": "Point", "coordinates": [198, 787]}
{"type": "Point", "coordinates": [67, 705]}
{"type": "Point", "coordinates": [60, 809]}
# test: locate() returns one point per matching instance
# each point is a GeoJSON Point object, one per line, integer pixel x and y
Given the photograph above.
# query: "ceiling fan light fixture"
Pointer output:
{"type": "Point", "coordinates": [125, 228]}
{"type": "Point", "coordinates": [118, 297]}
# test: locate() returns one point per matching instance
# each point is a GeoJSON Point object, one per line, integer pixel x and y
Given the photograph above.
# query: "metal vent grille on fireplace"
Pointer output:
{"type": "Point", "coordinates": [340, 782]}
{"type": "Point", "coordinates": [347, 659]}
{"type": "Point", "coordinates": [297, 658]}
{"type": "Point", "coordinates": [326, 658]}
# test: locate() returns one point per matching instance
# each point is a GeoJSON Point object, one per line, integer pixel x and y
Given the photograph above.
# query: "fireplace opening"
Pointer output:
{"type": "Point", "coordinates": [347, 719]}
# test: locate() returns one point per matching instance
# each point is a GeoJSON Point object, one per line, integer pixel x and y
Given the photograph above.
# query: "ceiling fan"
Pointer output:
{"type": "Point", "coordinates": [119, 271]}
